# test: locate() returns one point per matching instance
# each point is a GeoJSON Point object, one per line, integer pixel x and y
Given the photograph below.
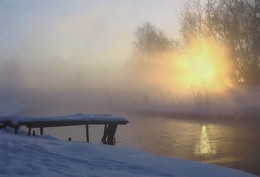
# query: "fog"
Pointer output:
{"type": "Point", "coordinates": [75, 52]}
{"type": "Point", "coordinates": [77, 56]}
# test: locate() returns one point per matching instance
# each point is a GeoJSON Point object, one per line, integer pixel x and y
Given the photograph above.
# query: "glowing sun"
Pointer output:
{"type": "Point", "coordinates": [203, 64]}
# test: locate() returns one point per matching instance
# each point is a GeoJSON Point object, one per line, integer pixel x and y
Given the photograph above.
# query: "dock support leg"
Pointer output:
{"type": "Point", "coordinates": [104, 138]}
{"type": "Point", "coordinates": [41, 130]}
{"type": "Point", "coordinates": [87, 133]}
{"type": "Point", "coordinates": [111, 131]}
{"type": "Point", "coordinates": [15, 130]}
{"type": "Point", "coordinates": [29, 131]}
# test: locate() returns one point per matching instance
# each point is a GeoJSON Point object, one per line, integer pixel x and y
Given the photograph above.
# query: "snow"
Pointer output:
{"type": "Point", "coordinates": [74, 117]}
{"type": "Point", "coordinates": [43, 156]}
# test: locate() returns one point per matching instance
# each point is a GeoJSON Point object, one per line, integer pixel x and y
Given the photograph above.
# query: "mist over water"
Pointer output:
{"type": "Point", "coordinates": [71, 55]}
{"type": "Point", "coordinates": [48, 53]}
{"type": "Point", "coordinates": [66, 52]}
{"type": "Point", "coordinates": [63, 57]}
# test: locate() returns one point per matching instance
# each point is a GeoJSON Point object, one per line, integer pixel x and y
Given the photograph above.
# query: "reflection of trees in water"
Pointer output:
{"type": "Point", "coordinates": [204, 146]}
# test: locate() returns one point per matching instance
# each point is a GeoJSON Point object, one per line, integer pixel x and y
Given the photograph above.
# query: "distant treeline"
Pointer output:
{"type": "Point", "coordinates": [231, 23]}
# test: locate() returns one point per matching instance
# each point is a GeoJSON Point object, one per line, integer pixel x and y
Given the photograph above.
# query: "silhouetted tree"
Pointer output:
{"type": "Point", "coordinates": [235, 23]}
{"type": "Point", "coordinates": [150, 41]}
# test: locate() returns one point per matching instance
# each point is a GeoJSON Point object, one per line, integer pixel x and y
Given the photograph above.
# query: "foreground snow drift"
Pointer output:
{"type": "Point", "coordinates": [31, 156]}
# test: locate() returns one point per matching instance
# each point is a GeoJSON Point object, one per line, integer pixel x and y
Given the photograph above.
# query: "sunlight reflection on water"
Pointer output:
{"type": "Point", "coordinates": [204, 146]}
{"type": "Point", "coordinates": [229, 144]}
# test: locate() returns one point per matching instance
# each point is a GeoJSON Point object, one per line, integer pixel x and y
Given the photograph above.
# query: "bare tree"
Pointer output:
{"type": "Point", "coordinates": [235, 23]}
{"type": "Point", "coordinates": [150, 42]}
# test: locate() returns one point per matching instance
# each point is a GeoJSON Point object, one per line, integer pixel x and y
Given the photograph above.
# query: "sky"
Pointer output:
{"type": "Point", "coordinates": [79, 50]}
{"type": "Point", "coordinates": [64, 27]}
{"type": "Point", "coordinates": [68, 41]}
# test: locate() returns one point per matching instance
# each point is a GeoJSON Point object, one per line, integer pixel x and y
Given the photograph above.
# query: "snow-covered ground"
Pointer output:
{"type": "Point", "coordinates": [45, 156]}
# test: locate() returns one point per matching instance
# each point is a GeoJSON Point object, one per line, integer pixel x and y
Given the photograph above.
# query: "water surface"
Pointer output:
{"type": "Point", "coordinates": [226, 142]}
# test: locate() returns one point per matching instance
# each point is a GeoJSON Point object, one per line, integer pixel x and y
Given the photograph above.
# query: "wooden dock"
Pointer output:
{"type": "Point", "coordinates": [110, 123]}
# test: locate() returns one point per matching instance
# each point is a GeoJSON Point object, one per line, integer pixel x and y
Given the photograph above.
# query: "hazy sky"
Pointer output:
{"type": "Point", "coordinates": [72, 41]}
{"type": "Point", "coordinates": [63, 48]}
{"type": "Point", "coordinates": [85, 27]}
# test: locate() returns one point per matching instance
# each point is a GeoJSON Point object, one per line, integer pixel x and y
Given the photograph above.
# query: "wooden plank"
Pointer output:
{"type": "Point", "coordinates": [111, 131]}
{"type": "Point", "coordinates": [41, 130]}
{"type": "Point", "coordinates": [29, 131]}
{"type": "Point", "coordinates": [87, 133]}
{"type": "Point", "coordinates": [10, 124]}
{"type": "Point", "coordinates": [104, 138]}
{"type": "Point", "coordinates": [110, 126]}
{"type": "Point", "coordinates": [66, 123]}
{"type": "Point", "coordinates": [16, 130]}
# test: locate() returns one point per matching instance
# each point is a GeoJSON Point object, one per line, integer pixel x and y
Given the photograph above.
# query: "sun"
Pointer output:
{"type": "Point", "coordinates": [203, 67]}
{"type": "Point", "coordinates": [204, 63]}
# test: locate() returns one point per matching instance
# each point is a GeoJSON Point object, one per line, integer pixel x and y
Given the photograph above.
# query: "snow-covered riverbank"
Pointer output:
{"type": "Point", "coordinates": [46, 156]}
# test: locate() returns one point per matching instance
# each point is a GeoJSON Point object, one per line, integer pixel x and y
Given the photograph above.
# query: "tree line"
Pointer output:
{"type": "Point", "coordinates": [233, 23]}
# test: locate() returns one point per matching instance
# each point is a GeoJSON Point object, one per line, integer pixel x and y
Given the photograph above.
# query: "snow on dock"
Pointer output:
{"type": "Point", "coordinates": [63, 120]}
{"type": "Point", "coordinates": [110, 123]}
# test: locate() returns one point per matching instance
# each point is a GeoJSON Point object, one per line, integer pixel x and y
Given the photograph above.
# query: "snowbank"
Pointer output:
{"type": "Point", "coordinates": [41, 157]}
{"type": "Point", "coordinates": [73, 117]}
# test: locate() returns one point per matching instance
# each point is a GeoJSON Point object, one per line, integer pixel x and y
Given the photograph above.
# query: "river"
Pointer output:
{"type": "Point", "coordinates": [227, 142]}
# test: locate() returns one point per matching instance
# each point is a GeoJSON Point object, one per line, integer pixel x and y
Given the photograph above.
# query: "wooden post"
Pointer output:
{"type": "Point", "coordinates": [104, 138]}
{"type": "Point", "coordinates": [41, 130]}
{"type": "Point", "coordinates": [111, 131]}
{"type": "Point", "coordinates": [87, 133]}
{"type": "Point", "coordinates": [33, 132]}
{"type": "Point", "coordinates": [29, 132]}
{"type": "Point", "coordinates": [105, 130]}
{"type": "Point", "coordinates": [16, 129]}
